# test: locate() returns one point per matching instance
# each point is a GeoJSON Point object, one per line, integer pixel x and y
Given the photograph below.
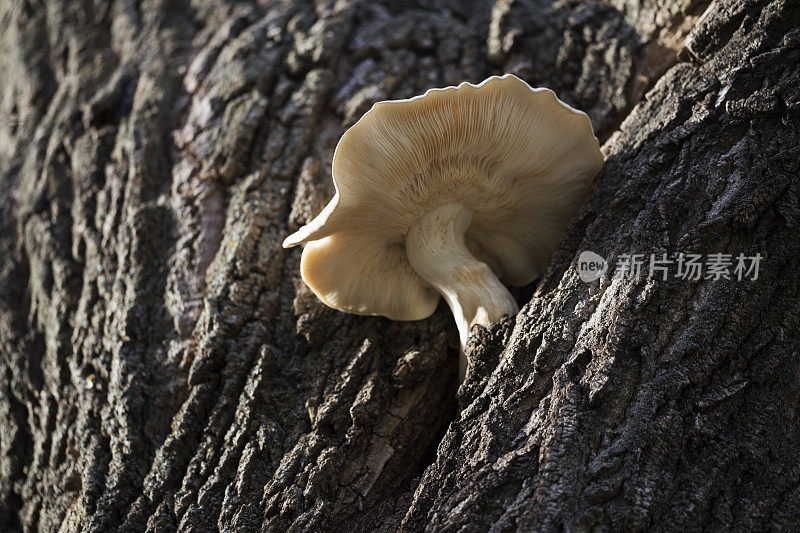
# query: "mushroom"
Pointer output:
{"type": "Point", "coordinates": [446, 194]}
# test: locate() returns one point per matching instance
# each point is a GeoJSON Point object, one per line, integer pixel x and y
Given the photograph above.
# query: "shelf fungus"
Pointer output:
{"type": "Point", "coordinates": [447, 194]}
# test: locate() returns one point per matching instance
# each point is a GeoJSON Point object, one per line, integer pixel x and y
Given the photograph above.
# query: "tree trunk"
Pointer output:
{"type": "Point", "coordinates": [164, 368]}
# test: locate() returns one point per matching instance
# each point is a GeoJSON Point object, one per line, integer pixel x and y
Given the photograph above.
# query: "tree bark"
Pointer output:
{"type": "Point", "coordinates": [162, 366]}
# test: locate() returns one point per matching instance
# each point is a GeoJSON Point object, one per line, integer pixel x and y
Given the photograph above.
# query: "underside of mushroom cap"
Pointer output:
{"type": "Point", "coordinates": [518, 157]}
{"type": "Point", "coordinates": [359, 273]}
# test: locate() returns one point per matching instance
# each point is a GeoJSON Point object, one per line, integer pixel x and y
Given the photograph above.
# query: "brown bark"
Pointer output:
{"type": "Point", "coordinates": [163, 368]}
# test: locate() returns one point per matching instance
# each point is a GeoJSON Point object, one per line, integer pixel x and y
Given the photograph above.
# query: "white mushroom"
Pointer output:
{"type": "Point", "coordinates": [447, 193]}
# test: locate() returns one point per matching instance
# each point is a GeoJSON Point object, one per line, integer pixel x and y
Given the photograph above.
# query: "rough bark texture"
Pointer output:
{"type": "Point", "coordinates": [163, 368]}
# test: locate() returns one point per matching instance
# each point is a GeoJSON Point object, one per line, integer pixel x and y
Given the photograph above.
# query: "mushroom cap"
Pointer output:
{"type": "Point", "coordinates": [518, 157]}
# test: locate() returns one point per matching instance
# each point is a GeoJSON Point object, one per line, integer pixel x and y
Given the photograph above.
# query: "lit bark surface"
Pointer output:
{"type": "Point", "coordinates": [163, 368]}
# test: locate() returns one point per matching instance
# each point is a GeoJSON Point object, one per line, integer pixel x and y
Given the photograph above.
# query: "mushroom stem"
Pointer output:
{"type": "Point", "coordinates": [436, 249]}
